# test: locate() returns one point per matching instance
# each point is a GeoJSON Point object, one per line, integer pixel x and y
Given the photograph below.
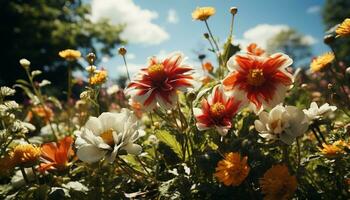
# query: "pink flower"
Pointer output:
{"type": "Point", "coordinates": [160, 81]}
{"type": "Point", "coordinates": [263, 80]}
{"type": "Point", "coordinates": [217, 111]}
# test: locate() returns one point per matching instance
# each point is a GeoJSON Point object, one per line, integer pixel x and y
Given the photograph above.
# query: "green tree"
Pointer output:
{"type": "Point", "coordinates": [333, 13]}
{"type": "Point", "coordinates": [39, 29]}
{"type": "Point", "coordinates": [291, 43]}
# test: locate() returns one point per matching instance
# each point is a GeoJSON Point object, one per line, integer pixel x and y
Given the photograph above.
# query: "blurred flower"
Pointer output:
{"type": "Point", "coordinates": [160, 82]}
{"type": "Point", "coordinates": [108, 134]}
{"type": "Point", "coordinates": [113, 89]}
{"type": "Point", "coordinates": [253, 49]}
{"type": "Point", "coordinates": [18, 181]}
{"type": "Point", "coordinates": [321, 62]}
{"type": "Point", "coordinates": [70, 54]}
{"type": "Point", "coordinates": [333, 150]}
{"type": "Point", "coordinates": [47, 129]}
{"type": "Point", "coordinates": [315, 112]}
{"type": "Point", "coordinates": [263, 80]}
{"type": "Point", "coordinates": [43, 112]}
{"type": "Point", "coordinates": [36, 72]}
{"type": "Point", "coordinates": [136, 107]}
{"type": "Point", "coordinates": [24, 63]}
{"type": "Point", "coordinates": [344, 28]}
{"type": "Point", "coordinates": [278, 184]}
{"type": "Point", "coordinates": [207, 66]}
{"type": "Point", "coordinates": [25, 154]}
{"type": "Point", "coordinates": [44, 83]}
{"type": "Point", "coordinates": [233, 170]}
{"type": "Point", "coordinates": [205, 80]}
{"type": "Point", "coordinates": [55, 155]}
{"type": "Point", "coordinates": [153, 140]}
{"type": "Point", "coordinates": [6, 91]}
{"type": "Point", "coordinates": [90, 68]}
{"type": "Point", "coordinates": [217, 111]}
{"type": "Point", "coordinates": [98, 78]}
{"type": "Point", "coordinates": [6, 164]}
{"type": "Point", "coordinates": [283, 123]}
{"type": "Point", "coordinates": [203, 13]}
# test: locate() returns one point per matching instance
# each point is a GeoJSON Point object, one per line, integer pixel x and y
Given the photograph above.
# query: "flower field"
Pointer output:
{"type": "Point", "coordinates": [248, 125]}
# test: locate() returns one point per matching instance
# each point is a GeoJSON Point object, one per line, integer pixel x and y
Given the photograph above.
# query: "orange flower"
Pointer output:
{"type": "Point", "coordinates": [344, 28]}
{"type": "Point", "coordinates": [99, 78]}
{"type": "Point", "coordinates": [55, 156]}
{"type": "Point", "coordinates": [333, 150]}
{"type": "Point", "coordinates": [70, 54]}
{"type": "Point", "coordinates": [255, 50]}
{"type": "Point", "coordinates": [232, 170]}
{"type": "Point", "coordinates": [208, 66]}
{"type": "Point", "coordinates": [278, 184]}
{"type": "Point", "coordinates": [43, 112]}
{"type": "Point", "coordinates": [25, 155]}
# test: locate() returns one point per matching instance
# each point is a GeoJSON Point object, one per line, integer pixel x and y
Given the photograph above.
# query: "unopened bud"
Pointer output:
{"type": "Point", "coordinates": [330, 86]}
{"type": "Point", "coordinates": [24, 63]}
{"type": "Point", "coordinates": [122, 51]}
{"type": "Point", "coordinates": [156, 125]}
{"type": "Point", "coordinates": [233, 10]}
{"type": "Point", "coordinates": [91, 57]}
{"type": "Point", "coordinates": [191, 96]}
{"type": "Point", "coordinates": [206, 35]}
{"type": "Point", "coordinates": [328, 39]}
{"type": "Point", "coordinates": [347, 71]}
{"type": "Point", "coordinates": [201, 56]}
{"type": "Point", "coordinates": [304, 86]}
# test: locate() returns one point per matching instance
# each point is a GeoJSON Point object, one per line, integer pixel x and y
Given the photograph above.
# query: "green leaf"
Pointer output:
{"type": "Point", "coordinates": [170, 140]}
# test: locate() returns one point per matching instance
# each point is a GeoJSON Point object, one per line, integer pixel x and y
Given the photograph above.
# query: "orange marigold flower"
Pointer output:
{"type": "Point", "coordinates": [277, 183]}
{"type": "Point", "coordinates": [25, 154]}
{"type": "Point", "coordinates": [208, 66]}
{"type": "Point", "coordinates": [333, 150]}
{"type": "Point", "coordinates": [344, 28]}
{"type": "Point", "coordinates": [232, 170]}
{"type": "Point", "coordinates": [43, 112]}
{"type": "Point", "coordinates": [99, 78]}
{"type": "Point", "coordinates": [55, 156]}
{"type": "Point", "coordinates": [255, 50]}
{"type": "Point", "coordinates": [70, 54]}
{"type": "Point", "coordinates": [321, 62]}
{"type": "Point", "coordinates": [203, 13]}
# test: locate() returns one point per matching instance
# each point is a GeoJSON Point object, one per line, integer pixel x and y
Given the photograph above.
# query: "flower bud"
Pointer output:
{"type": "Point", "coordinates": [24, 63]}
{"type": "Point", "coordinates": [304, 86]}
{"type": "Point", "coordinates": [233, 10]}
{"type": "Point", "coordinates": [206, 35]}
{"type": "Point", "coordinates": [191, 96]}
{"type": "Point", "coordinates": [91, 57]}
{"type": "Point", "coordinates": [122, 51]}
{"type": "Point", "coordinates": [328, 39]}
{"type": "Point", "coordinates": [347, 71]}
{"type": "Point", "coordinates": [330, 86]}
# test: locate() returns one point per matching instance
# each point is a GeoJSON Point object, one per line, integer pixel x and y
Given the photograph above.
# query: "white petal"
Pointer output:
{"type": "Point", "coordinates": [90, 153]}
{"type": "Point", "coordinates": [94, 125]}
{"type": "Point", "coordinates": [133, 148]}
{"type": "Point", "coordinates": [197, 111]}
{"type": "Point", "coordinates": [259, 126]}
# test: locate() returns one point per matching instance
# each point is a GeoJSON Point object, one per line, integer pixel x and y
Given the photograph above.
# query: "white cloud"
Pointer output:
{"type": "Point", "coordinates": [262, 33]}
{"type": "Point", "coordinates": [313, 9]}
{"type": "Point", "coordinates": [132, 67]}
{"type": "Point", "coordinates": [130, 56]}
{"type": "Point", "coordinates": [140, 28]}
{"type": "Point", "coordinates": [172, 18]}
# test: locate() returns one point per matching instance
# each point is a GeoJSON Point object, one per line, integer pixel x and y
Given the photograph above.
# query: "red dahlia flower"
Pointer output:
{"type": "Point", "coordinates": [263, 80]}
{"type": "Point", "coordinates": [160, 81]}
{"type": "Point", "coordinates": [55, 156]}
{"type": "Point", "coordinates": [217, 111]}
{"type": "Point", "coordinates": [254, 49]}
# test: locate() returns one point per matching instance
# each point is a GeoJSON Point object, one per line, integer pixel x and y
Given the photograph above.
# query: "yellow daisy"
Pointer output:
{"type": "Point", "coordinates": [321, 62]}
{"type": "Point", "coordinates": [203, 13]}
{"type": "Point", "coordinates": [343, 29]}
{"type": "Point", "coordinates": [70, 54]}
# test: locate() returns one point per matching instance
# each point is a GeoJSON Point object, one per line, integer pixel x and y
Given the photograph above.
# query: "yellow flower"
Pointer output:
{"type": "Point", "coordinates": [344, 28]}
{"type": "Point", "coordinates": [321, 62]}
{"type": "Point", "coordinates": [203, 13]}
{"type": "Point", "coordinates": [25, 154]}
{"type": "Point", "coordinates": [277, 183]}
{"type": "Point", "coordinates": [333, 150]}
{"type": "Point", "coordinates": [232, 170]}
{"type": "Point", "coordinates": [70, 54]}
{"type": "Point", "coordinates": [99, 78]}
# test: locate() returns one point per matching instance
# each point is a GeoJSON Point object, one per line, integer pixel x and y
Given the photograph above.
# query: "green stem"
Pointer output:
{"type": "Point", "coordinates": [126, 67]}
{"type": "Point", "coordinates": [25, 177]}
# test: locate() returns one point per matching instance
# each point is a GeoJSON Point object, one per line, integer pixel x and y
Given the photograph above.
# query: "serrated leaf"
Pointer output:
{"type": "Point", "coordinates": [171, 141]}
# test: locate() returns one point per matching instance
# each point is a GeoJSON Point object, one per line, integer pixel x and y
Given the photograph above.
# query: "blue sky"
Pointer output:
{"type": "Point", "coordinates": [158, 27]}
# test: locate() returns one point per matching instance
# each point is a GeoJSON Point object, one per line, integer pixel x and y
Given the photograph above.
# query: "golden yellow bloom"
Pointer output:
{"type": "Point", "coordinates": [277, 183]}
{"type": "Point", "coordinates": [321, 62]}
{"type": "Point", "coordinates": [43, 112]}
{"type": "Point", "coordinates": [99, 78]}
{"type": "Point", "coordinates": [232, 170]}
{"type": "Point", "coordinates": [333, 150]}
{"type": "Point", "coordinates": [70, 54]}
{"type": "Point", "coordinates": [25, 154]}
{"type": "Point", "coordinates": [344, 28]}
{"type": "Point", "coordinates": [203, 13]}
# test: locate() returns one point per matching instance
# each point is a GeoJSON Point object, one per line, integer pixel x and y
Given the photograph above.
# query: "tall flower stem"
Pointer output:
{"type": "Point", "coordinates": [298, 153]}
{"type": "Point", "coordinates": [126, 67]}
{"type": "Point", "coordinates": [318, 139]}
{"type": "Point", "coordinates": [69, 85]}
{"type": "Point", "coordinates": [25, 177]}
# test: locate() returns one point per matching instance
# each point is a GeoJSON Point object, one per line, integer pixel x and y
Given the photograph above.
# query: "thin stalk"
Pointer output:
{"type": "Point", "coordinates": [36, 176]}
{"type": "Point", "coordinates": [69, 89]}
{"type": "Point", "coordinates": [126, 67]}
{"type": "Point", "coordinates": [322, 137]}
{"type": "Point", "coordinates": [298, 153]}
{"type": "Point", "coordinates": [318, 139]}
{"type": "Point", "coordinates": [25, 177]}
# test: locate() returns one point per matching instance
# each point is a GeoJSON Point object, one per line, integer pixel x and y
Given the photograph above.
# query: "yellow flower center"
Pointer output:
{"type": "Point", "coordinates": [256, 77]}
{"type": "Point", "coordinates": [107, 137]}
{"type": "Point", "coordinates": [217, 109]}
{"type": "Point", "coordinates": [156, 71]}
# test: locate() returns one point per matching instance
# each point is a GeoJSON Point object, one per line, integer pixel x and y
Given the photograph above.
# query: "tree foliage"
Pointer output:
{"type": "Point", "coordinates": [39, 29]}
